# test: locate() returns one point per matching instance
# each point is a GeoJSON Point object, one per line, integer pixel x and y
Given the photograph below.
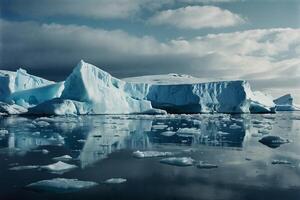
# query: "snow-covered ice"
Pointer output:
{"type": "Point", "coordinates": [178, 161]}
{"type": "Point", "coordinates": [61, 185]}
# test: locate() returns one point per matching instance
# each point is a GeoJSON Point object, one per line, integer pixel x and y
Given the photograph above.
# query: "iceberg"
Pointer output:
{"type": "Point", "coordinates": [285, 103]}
{"type": "Point", "coordinates": [90, 90]}
{"type": "Point", "coordinates": [61, 185]}
{"type": "Point", "coordinates": [20, 80]}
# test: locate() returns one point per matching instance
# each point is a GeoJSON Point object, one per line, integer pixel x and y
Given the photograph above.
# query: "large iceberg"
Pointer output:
{"type": "Point", "coordinates": [285, 103]}
{"type": "Point", "coordinates": [90, 90]}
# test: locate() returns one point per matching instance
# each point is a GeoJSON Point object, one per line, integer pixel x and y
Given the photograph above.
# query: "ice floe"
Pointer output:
{"type": "Point", "coordinates": [178, 161]}
{"type": "Point", "coordinates": [61, 185]}
{"type": "Point", "coordinates": [150, 154]}
{"type": "Point", "coordinates": [59, 167]}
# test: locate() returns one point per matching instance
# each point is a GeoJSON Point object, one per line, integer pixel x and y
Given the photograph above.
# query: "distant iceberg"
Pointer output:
{"type": "Point", "coordinates": [286, 103]}
{"type": "Point", "coordinates": [90, 90]}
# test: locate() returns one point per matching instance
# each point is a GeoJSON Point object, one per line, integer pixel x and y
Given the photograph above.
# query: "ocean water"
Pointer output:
{"type": "Point", "coordinates": [102, 147]}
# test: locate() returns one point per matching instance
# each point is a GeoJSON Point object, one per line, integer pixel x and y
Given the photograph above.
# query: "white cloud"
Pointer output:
{"type": "Point", "coordinates": [271, 57]}
{"type": "Point", "coordinates": [196, 17]}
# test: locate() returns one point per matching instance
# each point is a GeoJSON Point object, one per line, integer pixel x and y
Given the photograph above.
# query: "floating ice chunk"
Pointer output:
{"type": "Point", "coordinates": [159, 126]}
{"type": "Point", "coordinates": [234, 126]}
{"type": "Point", "coordinates": [150, 154]}
{"type": "Point", "coordinates": [43, 151]}
{"type": "Point", "coordinates": [59, 167]}
{"type": "Point", "coordinates": [263, 132]}
{"type": "Point", "coordinates": [25, 167]}
{"type": "Point", "coordinates": [3, 132]}
{"type": "Point", "coordinates": [63, 158]}
{"type": "Point", "coordinates": [284, 162]}
{"type": "Point", "coordinates": [115, 180]}
{"type": "Point", "coordinates": [42, 123]}
{"type": "Point", "coordinates": [61, 185]}
{"type": "Point", "coordinates": [11, 109]}
{"type": "Point", "coordinates": [204, 165]}
{"type": "Point", "coordinates": [168, 133]}
{"type": "Point", "coordinates": [273, 141]}
{"type": "Point", "coordinates": [178, 161]}
{"type": "Point", "coordinates": [188, 131]}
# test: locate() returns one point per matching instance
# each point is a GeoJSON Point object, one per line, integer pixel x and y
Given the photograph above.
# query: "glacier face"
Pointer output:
{"type": "Point", "coordinates": [286, 103]}
{"type": "Point", "coordinates": [90, 90]}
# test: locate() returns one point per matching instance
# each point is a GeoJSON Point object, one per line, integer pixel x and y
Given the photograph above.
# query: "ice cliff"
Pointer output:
{"type": "Point", "coordinates": [90, 90]}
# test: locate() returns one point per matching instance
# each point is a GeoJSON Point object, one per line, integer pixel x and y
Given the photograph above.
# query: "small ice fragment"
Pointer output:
{"type": "Point", "coordinates": [159, 126]}
{"type": "Point", "coordinates": [63, 158]}
{"type": "Point", "coordinates": [273, 141]}
{"type": "Point", "coordinates": [59, 167]}
{"type": "Point", "coordinates": [42, 123]}
{"type": "Point", "coordinates": [61, 185]}
{"type": "Point", "coordinates": [188, 132]}
{"type": "Point", "coordinates": [150, 154]}
{"type": "Point", "coordinates": [81, 140]}
{"type": "Point", "coordinates": [115, 180]}
{"type": "Point", "coordinates": [234, 126]}
{"type": "Point", "coordinates": [284, 162]}
{"type": "Point", "coordinates": [168, 133]}
{"type": "Point", "coordinates": [3, 132]}
{"type": "Point", "coordinates": [178, 161]}
{"type": "Point", "coordinates": [204, 165]}
{"type": "Point", "coordinates": [25, 167]}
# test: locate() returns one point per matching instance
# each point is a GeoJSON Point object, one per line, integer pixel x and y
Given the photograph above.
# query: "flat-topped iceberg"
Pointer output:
{"type": "Point", "coordinates": [286, 103]}
{"type": "Point", "coordinates": [90, 90]}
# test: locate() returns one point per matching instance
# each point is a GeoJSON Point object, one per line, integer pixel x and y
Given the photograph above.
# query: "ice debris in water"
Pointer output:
{"type": "Point", "coordinates": [59, 167]}
{"type": "Point", "coordinates": [204, 165]}
{"type": "Point", "coordinates": [159, 126]}
{"type": "Point", "coordinates": [63, 158]}
{"type": "Point", "coordinates": [273, 141]}
{"type": "Point", "coordinates": [234, 126]}
{"type": "Point", "coordinates": [25, 167]}
{"type": "Point", "coordinates": [61, 185]}
{"type": "Point", "coordinates": [150, 154]}
{"type": "Point", "coordinates": [178, 161]}
{"type": "Point", "coordinates": [3, 132]}
{"type": "Point", "coordinates": [284, 162]}
{"type": "Point", "coordinates": [188, 131]}
{"type": "Point", "coordinates": [168, 133]}
{"type": "Point", "coordinates": [115, 180]}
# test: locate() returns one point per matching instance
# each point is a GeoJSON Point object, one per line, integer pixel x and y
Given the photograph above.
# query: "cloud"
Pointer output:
{"type": "Point", "coordinates": [268, 57]}
{"type": "Point", "coordinates": [196, 17]}
{"type": "Point", "coordinates": [94, 9]}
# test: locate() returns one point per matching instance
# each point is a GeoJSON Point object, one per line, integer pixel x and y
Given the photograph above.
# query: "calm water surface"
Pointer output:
{"type": "Point", "coordinates": [102, 148]}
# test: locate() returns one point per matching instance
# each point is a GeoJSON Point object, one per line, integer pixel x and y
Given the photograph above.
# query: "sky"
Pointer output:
{"type": "Point", "coordinates": [255, 40]}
